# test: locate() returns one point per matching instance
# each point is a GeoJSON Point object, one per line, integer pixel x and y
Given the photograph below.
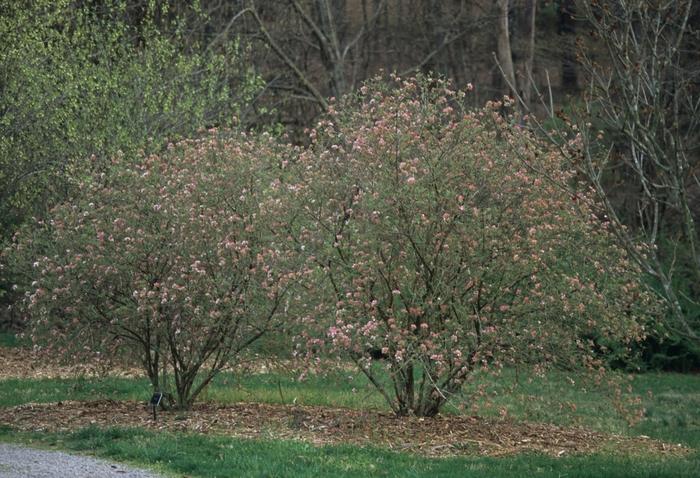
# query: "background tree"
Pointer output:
{"type": "Point", "coordinates": [444, 252]}
{"type": "Point", "coordinates": [517, 69]}
{"type": "Point", "coordinates": [175, 259]}
{"type": "Point", "coordinates": [310, 50]}
{"type": "Point", "coordinates": [645, 93]}
{"type": "Point", "coordinates": [79, 83]}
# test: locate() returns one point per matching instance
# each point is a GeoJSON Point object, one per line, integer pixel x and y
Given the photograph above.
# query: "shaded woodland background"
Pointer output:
{"type": "Point", "coordinates": [308, 51]}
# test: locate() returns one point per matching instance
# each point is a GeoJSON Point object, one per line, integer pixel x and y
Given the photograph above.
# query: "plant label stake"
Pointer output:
{"type": "Point", "coordinates": [155, 401]}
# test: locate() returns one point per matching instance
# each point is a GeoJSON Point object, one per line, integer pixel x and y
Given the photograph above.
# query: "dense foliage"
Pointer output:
{"type": "Point", "coordinates": [446, 244]}
{"type": "Point", "coordinates": [79, 83]}
{"type": "Point", "coordinates": [175, 258]}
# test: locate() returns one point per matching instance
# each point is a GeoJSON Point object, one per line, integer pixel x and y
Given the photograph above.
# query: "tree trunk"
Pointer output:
{"type": "Point", "coordinates": [526, 74]}
{"type": "Point", "coordinates": [567, 31]}
{"type": "Point", "coordinates": [505, 55]}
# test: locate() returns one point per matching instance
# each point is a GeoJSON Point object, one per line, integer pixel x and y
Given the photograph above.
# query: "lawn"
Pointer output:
{"type": "Point", "coordinates": [671, 404]}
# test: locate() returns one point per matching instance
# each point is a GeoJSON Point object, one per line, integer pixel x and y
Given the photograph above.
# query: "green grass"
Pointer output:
{"type": "Point", "coordinates": [18, 391]}
{"type": "Point", "coordinates": [216, 456]}
{"type": "Point", "coordinates": [9, 339]}
{"type": "Point", "coordinates": [334, 389]}
{"type": "Point", "coordinates": [672, 407]}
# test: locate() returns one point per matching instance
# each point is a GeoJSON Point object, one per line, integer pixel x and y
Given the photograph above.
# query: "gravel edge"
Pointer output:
{"type": "Point", "coordinates": [18, 461]}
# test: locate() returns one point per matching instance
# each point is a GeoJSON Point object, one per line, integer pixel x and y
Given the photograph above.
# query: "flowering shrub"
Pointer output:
{"type": "Point", "coordinates": [441, 252]}
{"type": "Point", "coordinates": [176, 257]}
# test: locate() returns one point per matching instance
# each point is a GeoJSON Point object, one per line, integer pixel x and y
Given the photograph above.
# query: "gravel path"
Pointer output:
{"type": "Point", "coordinates": [21, 462]}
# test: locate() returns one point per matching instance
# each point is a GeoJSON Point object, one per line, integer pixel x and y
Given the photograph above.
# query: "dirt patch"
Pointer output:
{"type": "Point", "coordinates": [440, 436]}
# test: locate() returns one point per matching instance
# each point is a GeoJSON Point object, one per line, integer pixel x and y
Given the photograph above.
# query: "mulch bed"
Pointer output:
{"type": "Point", "coordinates": [439, 436]}
{"type": "Point", "coordinates": [20, 362]}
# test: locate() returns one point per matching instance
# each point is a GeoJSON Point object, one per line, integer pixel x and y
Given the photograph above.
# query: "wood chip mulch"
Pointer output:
{"type": "Point", "coordinates": [16, 362]}
{"type": "Point", "coordinates": [439, 436]}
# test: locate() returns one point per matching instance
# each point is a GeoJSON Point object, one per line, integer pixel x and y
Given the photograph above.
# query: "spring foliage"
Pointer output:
{"type": "Point", "coordinates": [441, 252]}
{"type": "Point", "coordinates": [81, 81]}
